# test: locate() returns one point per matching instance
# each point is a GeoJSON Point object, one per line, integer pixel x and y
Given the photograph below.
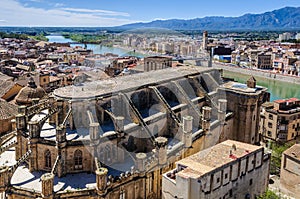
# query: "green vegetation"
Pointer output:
{"type": "Point", "coordinates": [85, 38]}
{"type": "Point", "coordinates": [39, 37]}
{"type": "Point", "coordinates": [13, 35]}
{"type": "Point", "coordinates": [277, 150]}
{"type": "Point", "coordinates": [269, 195]}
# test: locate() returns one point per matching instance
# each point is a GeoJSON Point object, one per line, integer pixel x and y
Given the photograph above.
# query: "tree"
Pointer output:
{"type": "Point", "coordinates": [269, 195]}
{"type": "Point", "coordinates": [277, 150]}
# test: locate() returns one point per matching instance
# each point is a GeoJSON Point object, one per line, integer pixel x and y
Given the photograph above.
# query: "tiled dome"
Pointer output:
{"type": "Point", "coordinates": [29, 92]}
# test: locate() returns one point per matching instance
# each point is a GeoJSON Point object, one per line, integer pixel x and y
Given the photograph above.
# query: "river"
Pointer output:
{"type": "Point", "coordinates": [97, 49]}
{"type": "Point", "coordinates": [278, 89]}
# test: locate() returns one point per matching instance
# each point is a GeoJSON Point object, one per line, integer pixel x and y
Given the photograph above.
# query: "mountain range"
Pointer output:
{"type": "Point", "coordinates": [281, 19]}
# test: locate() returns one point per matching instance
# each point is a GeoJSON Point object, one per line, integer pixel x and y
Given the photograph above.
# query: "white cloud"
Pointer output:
{"type": "Point", "coordinates": [59, 5]}
{"type": "Point", "coordinates": [2, 21]}
{"type": "Point", "coordinates": [18, 15]}
{"type": "Point", "coordinates": [99, 12]}
{"type": "Point", "coordinates": [36, 0]}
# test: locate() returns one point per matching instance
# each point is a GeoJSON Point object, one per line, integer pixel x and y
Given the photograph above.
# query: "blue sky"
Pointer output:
{"type": "Point", "coordinates": [118, 12]}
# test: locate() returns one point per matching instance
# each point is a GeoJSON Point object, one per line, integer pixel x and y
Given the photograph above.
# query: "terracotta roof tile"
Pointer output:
{"type": "Point", "coordinates": [7, 110]}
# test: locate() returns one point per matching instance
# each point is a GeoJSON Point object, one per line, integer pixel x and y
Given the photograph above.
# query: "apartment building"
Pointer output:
{"type": "Point", "coordinates": [280, 120]}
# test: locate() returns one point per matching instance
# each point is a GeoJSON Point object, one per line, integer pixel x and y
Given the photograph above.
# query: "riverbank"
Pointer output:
{"type": "Point", "coordinates": [260, 73]}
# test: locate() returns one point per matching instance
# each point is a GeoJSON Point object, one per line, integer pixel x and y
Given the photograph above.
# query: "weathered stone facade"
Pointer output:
{"type": "Point", "coordinates": [118, 136]}
{"type": "Point", "coordinates": [156, 63]}
{"type": "Point", "coordinates": [290, 170]}
{"type": "Point", "coordinates": [245, 103]}
{"type": "Point", "coordinates": [230, 169]}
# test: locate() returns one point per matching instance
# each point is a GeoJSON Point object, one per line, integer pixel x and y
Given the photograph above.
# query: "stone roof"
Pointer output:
{"type": "Point", "coordinates": [6, 84]}
{"type": "Point", "coordinates": [29, 92]}
{"type": "Point", "coordinates": [130, 82]}
{"type": "Point", "coordinates": [215, 157]}
{"type": "Point", "coordinates": [4, 77]}
{"type": "Point", "coordinates": [242, 87]}
{"type": "Point", "coordinates": [294, 151]}
{"type": "Point", "coordinates": [251, 79]}
{"type": "Point", "coordinates": [7, 110]}
{"type": "Point", "coordinates": [5, 87]}
{"type": "Point", "coordinates": [96, 75]}
{"type": "Point", "coordinates": [32, 180]}
{"type": "Point", "coordinates": [42, 44]}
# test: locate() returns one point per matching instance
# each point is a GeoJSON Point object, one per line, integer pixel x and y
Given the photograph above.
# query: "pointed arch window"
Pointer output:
{"type": "Point", "coordinates": [48, 164]}
{"type": "Point", "coordinates": [78, 159]}
{"type": "Point", "coordinates": [122, 194]}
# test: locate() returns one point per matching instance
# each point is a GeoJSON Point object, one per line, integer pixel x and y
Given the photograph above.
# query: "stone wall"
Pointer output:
{"type": "Point", "coordinates": [260, 73]}
{"type": "Point", "coordinates": [289, 174]}
{"type": "Point", "coordinates": [5, 125]}
{"type": "Point", "coordinates": [246, 110]}
{"type": "Point", "coordinates": [232, 180]}
{"type": "Point", "coordinates": [161, 122]}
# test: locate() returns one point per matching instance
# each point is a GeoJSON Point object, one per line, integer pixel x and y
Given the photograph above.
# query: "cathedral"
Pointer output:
{"type": "Point", "coordinates": [115, 138]}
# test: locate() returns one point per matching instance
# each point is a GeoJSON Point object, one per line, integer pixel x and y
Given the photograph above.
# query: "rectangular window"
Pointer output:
{"type": "Point", "coordinates": [270, 117]}
{"type": "Point", "coordinates": [226, 175]}
{"type": "Point", "coordinates": [218, 180]}
{"type": "Point", "coordinates": [250, 182]}
{"type": "Point", "coordinates": [269, 133]}
{"type": "Point", "coordinates": [270, 125]}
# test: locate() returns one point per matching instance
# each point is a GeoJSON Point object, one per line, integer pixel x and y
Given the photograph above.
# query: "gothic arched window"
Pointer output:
{"type": "Point", "coordinates": [48, 159]}
{"type": "Point", "coordinates": [78, 159]}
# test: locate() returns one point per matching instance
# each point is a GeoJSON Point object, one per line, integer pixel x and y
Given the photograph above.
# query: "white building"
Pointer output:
{"type": "Point", "coordinates": [230, 169]}
{"type": "Point", "coordinates": [285, 36]}
{"type": "Point", "coordinates": [297, 36]}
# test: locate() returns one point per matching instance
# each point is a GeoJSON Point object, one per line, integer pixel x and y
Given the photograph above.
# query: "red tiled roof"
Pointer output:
{"type": "Point", "coordinates": [292, 100]}
{"type": "Point", "coordinates": [279, 101]}
{"type": "Point", "coordinates": [287, 100]}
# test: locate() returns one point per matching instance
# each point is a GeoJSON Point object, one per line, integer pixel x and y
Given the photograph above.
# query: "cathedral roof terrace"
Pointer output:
{"type": "Point", "coordinates": [105, 88]}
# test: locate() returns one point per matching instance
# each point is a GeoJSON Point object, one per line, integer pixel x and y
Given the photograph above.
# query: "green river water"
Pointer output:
{"type": "Point", "coordinates": [278, 89]}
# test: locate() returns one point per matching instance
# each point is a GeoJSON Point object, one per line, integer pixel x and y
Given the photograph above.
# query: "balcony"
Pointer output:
{"type": "Point", "coordinates": [282, 127]}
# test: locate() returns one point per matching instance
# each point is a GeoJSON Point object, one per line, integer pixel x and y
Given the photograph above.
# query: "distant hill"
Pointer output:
{"type": "Point", "coordinates": [284, 18]}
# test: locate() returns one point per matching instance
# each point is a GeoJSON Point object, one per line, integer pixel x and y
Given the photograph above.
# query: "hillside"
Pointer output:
{"type": "Point", "coordinates": [284, 18]}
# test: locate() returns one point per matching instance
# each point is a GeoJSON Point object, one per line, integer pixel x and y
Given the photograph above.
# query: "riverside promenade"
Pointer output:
{"type": "Point", "coordinates": [259, 73]}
